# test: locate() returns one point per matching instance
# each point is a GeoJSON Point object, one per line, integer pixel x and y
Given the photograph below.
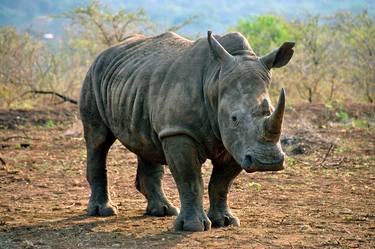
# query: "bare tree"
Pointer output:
{"type": "Point", "coordinates": [95, 26]}
{"type": "Point", "coordinates": [310, 64]}
{"type": "Point", "coordinates": [358, 36]}
{"type": "Point", "coordinates": [28, 65]}
{"type": "Point", "coordinates": [23, 63]}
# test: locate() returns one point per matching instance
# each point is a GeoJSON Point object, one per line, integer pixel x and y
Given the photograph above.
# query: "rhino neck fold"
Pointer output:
{"type": "Point", "coordinates": [211, 93]}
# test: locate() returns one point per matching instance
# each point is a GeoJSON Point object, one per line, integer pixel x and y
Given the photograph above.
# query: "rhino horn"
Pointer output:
{"type": "Point", "coordinates": [218, 50]}
{"type": "Point", "coordinates": [274, 122]}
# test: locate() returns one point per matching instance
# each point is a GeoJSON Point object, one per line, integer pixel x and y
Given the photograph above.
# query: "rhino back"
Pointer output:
{"type": "Point", "coordinates": [148, 88]}
{"type": "Point", "coordinates": [126, 81]}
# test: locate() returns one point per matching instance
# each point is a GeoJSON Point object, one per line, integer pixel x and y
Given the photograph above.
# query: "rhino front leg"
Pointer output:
{"type": "Point", "coordinates": [222, 178]}
{"type": "Point", "coordinates": [149, 183]}
{"type": "Point", "coordinates": [183, 160]}
{"type": "Point", "coordinates": [98, 141]}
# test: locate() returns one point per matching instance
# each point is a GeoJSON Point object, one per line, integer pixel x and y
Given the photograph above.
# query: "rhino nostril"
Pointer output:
{"type": "Point", "coordinates": [247, 162]}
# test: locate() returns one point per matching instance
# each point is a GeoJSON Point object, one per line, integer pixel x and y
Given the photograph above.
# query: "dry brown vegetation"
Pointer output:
{"type": "Point", "coordinates": [321, 199]}
{"type": "Point", "coordinates": [333, 60]}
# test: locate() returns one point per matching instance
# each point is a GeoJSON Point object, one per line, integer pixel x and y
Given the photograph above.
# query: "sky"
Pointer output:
{"type": "Point", "coordinates": [217, 15]}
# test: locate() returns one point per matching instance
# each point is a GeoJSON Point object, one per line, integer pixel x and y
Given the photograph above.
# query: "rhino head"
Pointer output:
{"type": "Point", "coordinates": [249, 125]}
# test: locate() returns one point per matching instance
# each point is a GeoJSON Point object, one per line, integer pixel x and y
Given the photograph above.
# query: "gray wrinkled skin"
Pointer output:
{"type": "Point", "coordinates": [177, 102]}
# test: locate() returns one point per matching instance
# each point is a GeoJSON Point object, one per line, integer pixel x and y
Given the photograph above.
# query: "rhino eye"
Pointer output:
{"type": "Point", "coordinates": [234, 121]}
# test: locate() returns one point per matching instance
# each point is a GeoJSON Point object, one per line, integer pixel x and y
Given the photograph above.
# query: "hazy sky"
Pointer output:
{"type": "Point", "coordinates": [217, 15]}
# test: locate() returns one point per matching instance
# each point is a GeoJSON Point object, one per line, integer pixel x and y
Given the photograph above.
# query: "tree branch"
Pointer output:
{"type": "Point", "coordinates": [63, 97]}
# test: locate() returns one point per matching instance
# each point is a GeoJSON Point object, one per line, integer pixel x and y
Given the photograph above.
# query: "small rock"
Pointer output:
{"type": "Point", "coordinates": [27, 244]}
{"type": "Point", "coordinates": [297, 150]}
{"type": "Point", "coordinates": [288, 140]}
{"type": "Point", "coordinates": [75, 130]}
{"type": "Point", "coordinates": [346, 211]}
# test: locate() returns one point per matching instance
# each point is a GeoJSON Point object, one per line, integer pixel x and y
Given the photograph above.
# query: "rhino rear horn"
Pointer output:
{"type": "Point", "coordinates": [274, 122]}
{"type": "Point", "coordinates": [218, 50]}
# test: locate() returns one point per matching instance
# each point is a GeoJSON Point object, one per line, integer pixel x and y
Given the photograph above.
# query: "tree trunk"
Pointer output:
{"type": "Point", "coordinates": [332, 88]}
{"type": "Point", "coordinates": [368, 93]}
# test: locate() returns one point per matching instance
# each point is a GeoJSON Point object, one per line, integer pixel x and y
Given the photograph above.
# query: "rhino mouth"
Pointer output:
{"type": "Point", "coordinates": [251, 164]}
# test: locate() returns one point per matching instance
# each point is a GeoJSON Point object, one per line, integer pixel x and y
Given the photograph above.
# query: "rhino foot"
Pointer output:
{"type": "Point", "coordinates": [223, 218]}
{"type": "Point", "coordinates": [192, 222]}
{"type": "Point", "coordinates": [97, 209]}
{"type": "Point", "coordinates": [161, 209]}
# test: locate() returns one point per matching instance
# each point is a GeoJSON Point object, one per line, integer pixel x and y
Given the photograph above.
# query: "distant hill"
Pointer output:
{"type": "Point", "coordinates": [217, 15]}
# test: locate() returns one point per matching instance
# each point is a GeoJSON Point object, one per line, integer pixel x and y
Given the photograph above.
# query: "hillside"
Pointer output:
{"type": "Point", "coordinates": [217, 15]}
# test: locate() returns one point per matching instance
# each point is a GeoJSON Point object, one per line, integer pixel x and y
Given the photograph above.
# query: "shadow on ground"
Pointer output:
{"type": "Point", "coordinates": [81, 231]}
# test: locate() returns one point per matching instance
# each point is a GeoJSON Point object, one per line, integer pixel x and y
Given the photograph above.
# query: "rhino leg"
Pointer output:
{"type": "Point", "coordinates": [183, 160]}
{"type": "Point", "coordinates": [98, 141]}
{"type": "Point", "coordinates": [149, 183]}
{"type": "Point", "coordinates": [222, 178]}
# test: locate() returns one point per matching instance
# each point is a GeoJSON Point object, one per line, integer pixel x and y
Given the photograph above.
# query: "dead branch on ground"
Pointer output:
{"type": "Point", "coordinates": [327, 154]}
{"type": "Point", "coordinates": [63, 97]}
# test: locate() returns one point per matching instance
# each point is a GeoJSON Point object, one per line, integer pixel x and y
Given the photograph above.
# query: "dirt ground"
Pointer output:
{"type": "Point", "coordinates": [325, 198]}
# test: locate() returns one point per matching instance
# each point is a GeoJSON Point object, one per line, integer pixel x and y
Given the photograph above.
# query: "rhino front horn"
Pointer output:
{"type": "Point", "coordinates": [274, 122]}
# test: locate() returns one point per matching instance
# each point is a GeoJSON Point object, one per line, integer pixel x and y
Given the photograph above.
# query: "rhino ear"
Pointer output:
{"type": "Point", "coordinates": [279, 57]}
{"type": "Point", "coordinates": [219, 51]}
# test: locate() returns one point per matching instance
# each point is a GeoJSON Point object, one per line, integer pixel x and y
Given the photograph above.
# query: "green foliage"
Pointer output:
{"type": "Point", "coordinates": [342, 116]}
{"type": "Point", "coordinates": [255, 185]}
{"type": "Point", "coordinates": [265, 32]}
{"type": "Point", "coordinates": [333, 59]}
{"type": "Point", "coordinates": [357, 34]}
{"type": "Point", "coordinates": [312, 64]}
{"type": "Point", "coordinates": [291, 162]}
{"type": "Point", "coordinates": [49, 124]}
{"type": "Point", "coordinates": [340, 149]}
{"type": "Point", "coordinates": [360, 123]}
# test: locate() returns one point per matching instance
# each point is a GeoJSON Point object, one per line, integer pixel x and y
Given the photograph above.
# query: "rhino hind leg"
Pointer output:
{"type": "Point", "coordinates": [98, 141]}
{"type": "Point", "coordinates": [222, 178]}
{"type": "Point", "coordinates": [149, 182]}
{"type": "Point", "coordinates": [183, 160]}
